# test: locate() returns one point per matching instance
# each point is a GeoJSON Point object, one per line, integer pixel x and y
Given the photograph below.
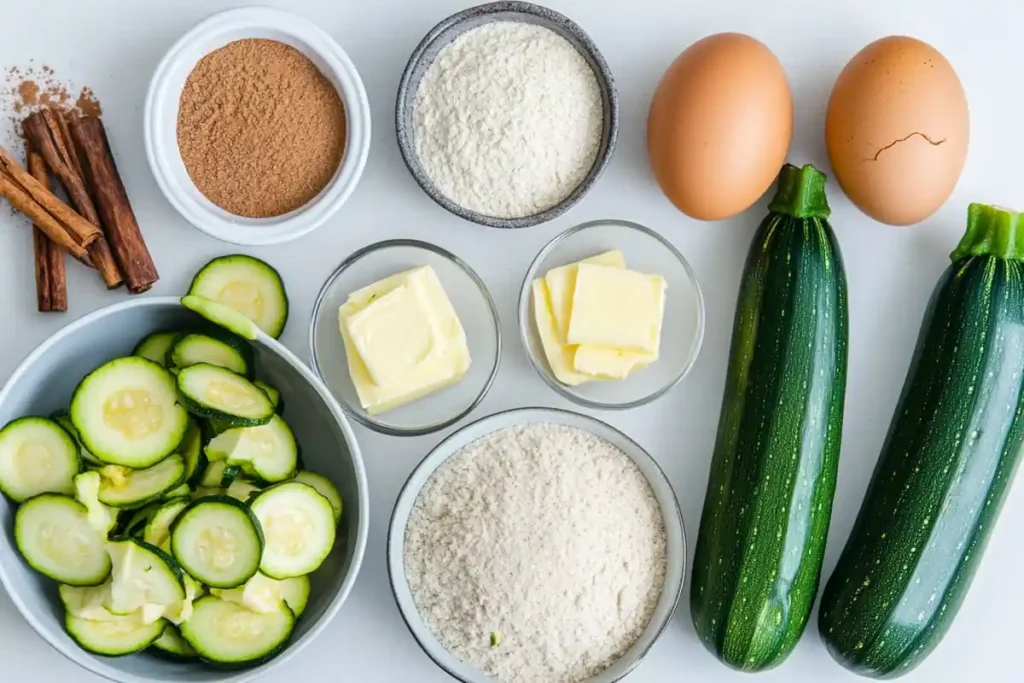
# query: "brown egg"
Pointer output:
{"type": "Point", "coordinates": [719, 126]}
{"type": "Point", "coordinates": [897, 130]}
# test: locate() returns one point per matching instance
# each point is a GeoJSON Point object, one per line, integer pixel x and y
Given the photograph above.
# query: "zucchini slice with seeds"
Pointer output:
{"type": "Point", "coordinates": [218, 541]}
{"type": "Point", "coordinates": [221, 315]}
{"type": "Point", "coordinates": [325, 487]}
{"type": "Point", "coordinates": [37, 455]}
{"type": "Point", "coordinates": [247, 285]}
{"type": "Point", "coordinates": [53, 534]}
{"type": "Point", "coordinates": [127, 413]}
{"type": "Point", "coordinates": [216, 393]}
{"type": "Point", "coordinates": [126, 488]}
{"type": "Point", "coordinates": [142, 574]}
{"type": "Point", "coordinates": [196, 348]}
{"type": "Point", "coordinates": [214, 628]}
{"type": "Point", "coordinates": [268, 451]}
{"type": "Point", "coordinates": [298, 527]}
{"type": "Point", "coordinates": [114, 637]}
{"type": "Point", "coordinates": [156, 346]}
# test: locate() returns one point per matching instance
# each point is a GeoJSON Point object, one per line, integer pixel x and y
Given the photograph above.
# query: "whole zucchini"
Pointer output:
{"type": "Point", "coordinates": [773, 473]}
{"type": "Point", "coordinates": [952, 447]}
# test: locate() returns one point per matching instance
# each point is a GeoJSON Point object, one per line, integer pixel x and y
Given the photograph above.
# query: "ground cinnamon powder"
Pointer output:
{"type": "Point", "coordinates": [261, 130]}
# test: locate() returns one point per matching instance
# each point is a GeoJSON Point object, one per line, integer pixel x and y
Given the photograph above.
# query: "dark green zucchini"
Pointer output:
{"type": "Point", "coordinates": [950, 453]}
{"type": "Point", "coordinates": [773, 474]}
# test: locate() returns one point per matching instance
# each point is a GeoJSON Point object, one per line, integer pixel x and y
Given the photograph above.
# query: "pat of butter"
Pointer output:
{"type": "Point", "coordinates": [396, 332]}
{"type": "Point", "coordinates": [560, 356]}
{"type": "Point", "coordinates": [615, 307]}
{"type": "Point", "coordinates": [561, 283]}
{"type": "Point", "coordinates": [393, 361]}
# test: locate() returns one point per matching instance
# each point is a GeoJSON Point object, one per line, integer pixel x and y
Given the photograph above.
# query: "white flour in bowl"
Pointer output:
{"type": "Point", "coordinates": [508, 119]}
{"type": "Point", "coordinates": [537, 553]}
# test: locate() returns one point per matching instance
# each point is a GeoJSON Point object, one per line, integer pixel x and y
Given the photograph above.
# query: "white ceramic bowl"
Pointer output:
{"type": "Point", "coordinates": [682, 326]}
{"type": "Point", "coordinates": [161, 117]}
{"type": "Point", "coordinates": [675, 533]}
{"type": "Point", "coordinates": [43, 383]}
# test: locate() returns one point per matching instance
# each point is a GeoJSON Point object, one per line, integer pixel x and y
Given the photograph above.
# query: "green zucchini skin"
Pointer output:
{"type": "Point", "coordinates": [949, 457]}
{"type": "Point", "coordinates": [769, 498]}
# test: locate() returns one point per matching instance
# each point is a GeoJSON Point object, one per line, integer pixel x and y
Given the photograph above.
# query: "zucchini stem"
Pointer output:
{"type": "Point", "coordinates": [991, 231]}
{"type": "Point", "coordinates": [801, 193]}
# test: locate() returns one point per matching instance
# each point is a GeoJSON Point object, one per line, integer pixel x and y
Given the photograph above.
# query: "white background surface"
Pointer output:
{"type": "Point", "coordinates": [113, 46]}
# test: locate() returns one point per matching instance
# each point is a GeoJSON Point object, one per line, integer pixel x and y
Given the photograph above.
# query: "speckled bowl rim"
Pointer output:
{"type": "Point", "coordinates": [549, 18]}
{"type": "Point", "coordinates": [524, 319]}
{"type": "Point", "coordinates": [638, 451]}
{"type": "Point", "coordinates": [355, 413]}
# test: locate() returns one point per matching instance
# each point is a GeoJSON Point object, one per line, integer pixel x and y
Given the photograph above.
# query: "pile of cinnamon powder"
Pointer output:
{"type": "Point", "coordinates": [261, 130]}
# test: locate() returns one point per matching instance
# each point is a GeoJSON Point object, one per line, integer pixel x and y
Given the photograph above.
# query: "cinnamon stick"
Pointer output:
{"type": "Point", "coordinates": [45, 131]}
{"type": "Point", "coordinates": [83, 232]}
{"type": "Point", "coordinates": [115, 209]}
{"type": "Point", "coordinates": [39, 216]}
{"type": "Point", "coordinates": [51, 279]}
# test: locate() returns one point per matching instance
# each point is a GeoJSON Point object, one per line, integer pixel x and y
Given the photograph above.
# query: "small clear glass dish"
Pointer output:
{"type": "Point", "coordinates": [473, 305]}
{"type": "Point", "coordinates": [682, 326]}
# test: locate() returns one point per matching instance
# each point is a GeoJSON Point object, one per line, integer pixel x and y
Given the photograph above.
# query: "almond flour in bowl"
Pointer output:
{"type": "Point", "coordinates": [538, 551]}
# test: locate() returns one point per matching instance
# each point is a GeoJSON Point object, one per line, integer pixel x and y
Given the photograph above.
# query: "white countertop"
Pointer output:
{"type": "Point", "coordinates": [114, 45]}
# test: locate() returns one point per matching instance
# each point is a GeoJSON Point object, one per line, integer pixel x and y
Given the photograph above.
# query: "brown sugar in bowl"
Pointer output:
{"type": "Point", "coordinates": [257, 126]}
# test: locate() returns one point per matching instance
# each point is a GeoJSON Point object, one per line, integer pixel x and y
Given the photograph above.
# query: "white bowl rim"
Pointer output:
{"type": "Point", "coordinates": [96, 665]}
{"type": "Point", "coordinates": [349, 261]}
{"type": "Point", "coordinates": [202, 213]}
{"type": "Point", "coordinates": [524, 324]}
{"type": "Point", "coordinates": [395, 560]}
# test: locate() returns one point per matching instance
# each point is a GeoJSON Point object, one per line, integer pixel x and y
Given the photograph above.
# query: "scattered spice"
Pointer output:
{"type": "Point", "coordinates": [29, 89]}
{"type": "Point", "coordinates": [260, 129]}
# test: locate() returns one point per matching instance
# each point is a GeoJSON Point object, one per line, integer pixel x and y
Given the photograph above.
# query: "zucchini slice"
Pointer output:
{"type": "Point", "coordinates": [191, 450]}
{"type": "Point", "coordinates": [325, 487]}
{"type": "Point", "coordinates": [273, 394]}
{"type": "Point", "coordinates": [171, 645]}
{"type": "Point", "coordinates": [126, 488]}
{"type": "Point", "coordinates": [113, 637]}
{"type": "Point", "coordinates": [87, 492]}
{"type": "Point", "coordinates": [142, 575]}
{"type": "Point", "coordinates": [182, 491]}
{"type": "Point", "coordinates": [217, 393]}
{"type": "Point", "coordinates": [225, 633]}
{"type": "Point", "coordinates": [224, 316]}
{"type": "Point", "coordinates": [247, 285]}
{"type": "Point", "coordinates": [298, 527]}
{"type": "Point", "coordinates": [127, 413]}
{"type": "Point", "coordinates": [196, 348]}
{"type": "Point", "coordinates": [158, 529]}
{"type": "Point", "coordinates": [268, 451]}
{"type": "Point", "coordinates": [86, 602]}
{"type": "Point", "coordinates": [135, 526]}
{"type": "Point", "coordinates": [53, 534]}
{"type": "Point", "coordinates": [37, 456]}
{"type": "Point", "coordinates": [218, 541]}
{"type": "Point", "coordinates": [156, 346]}
{"type": "Point", "coordinates": [64, 420]}
{"type": "Point", "coordinates": [181, 611]}
{"type": "Point", "coordinates": [264, 594]}
{"type": "Point", "coordinates": [213, 474]}
{"type": "Point", "coordinates": [242, 490]}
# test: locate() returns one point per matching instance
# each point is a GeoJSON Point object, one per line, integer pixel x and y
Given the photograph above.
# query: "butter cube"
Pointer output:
{"type": "Point", "coordinates": [560, 356]}
{"type": "Point", "coordinates": [403, 340]}
{"type": "Point", "coordinates": [561, 283]}
{"type": "Point", "coordinates": [396, 332]}
{"type": "Point", "coordinates": [616, 307]}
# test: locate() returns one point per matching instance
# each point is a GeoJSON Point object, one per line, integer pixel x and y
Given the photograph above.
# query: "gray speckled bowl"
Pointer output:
{"type": "Point", "coordinates": [454, 26]}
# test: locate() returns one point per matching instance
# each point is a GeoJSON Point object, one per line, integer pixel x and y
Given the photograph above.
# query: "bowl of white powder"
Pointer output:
{"type": "Point", "coordinates": [507, 114]}
{"type": "Point", "coordinates": [537, 545]}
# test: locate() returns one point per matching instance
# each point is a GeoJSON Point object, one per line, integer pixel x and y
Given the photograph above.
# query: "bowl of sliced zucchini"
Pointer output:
{"type": "Point", "coordinates": [182, 499]}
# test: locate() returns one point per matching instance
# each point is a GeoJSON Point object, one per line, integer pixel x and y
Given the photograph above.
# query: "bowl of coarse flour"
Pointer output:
{"type": "Point", "coordinates": [507, 114]}
{"type": "Point", "coordinates": [537, 545]}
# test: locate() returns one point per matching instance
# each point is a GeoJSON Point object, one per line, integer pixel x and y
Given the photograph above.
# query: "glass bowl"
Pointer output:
{"type": "Point", "coordinates": [682, 326]}
{"type": "Point", "coordinates": [473, 305]}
